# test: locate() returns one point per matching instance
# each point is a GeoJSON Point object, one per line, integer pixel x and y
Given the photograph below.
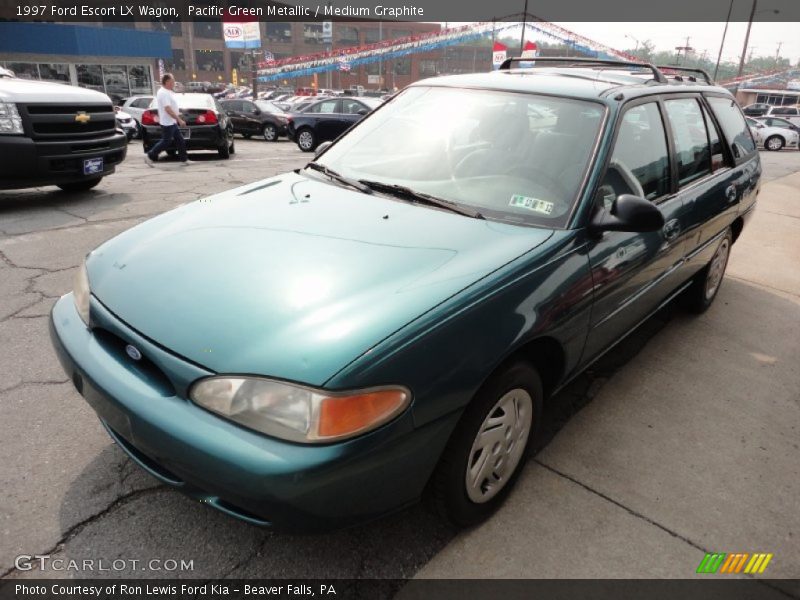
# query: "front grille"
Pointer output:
{"type": "Point", "coordinates": [61, 109]}
{"type": "Point", "coordinates": [144, 368]}
{"type": "Point", "coordinates": [68, 121]}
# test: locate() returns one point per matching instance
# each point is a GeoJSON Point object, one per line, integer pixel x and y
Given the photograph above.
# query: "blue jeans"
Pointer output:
{"type": "Point", "coordinates": [168, 134]}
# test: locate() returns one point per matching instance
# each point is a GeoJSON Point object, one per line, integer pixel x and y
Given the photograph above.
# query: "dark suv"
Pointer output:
{"type": "Point", "coordinates": [258, 117]}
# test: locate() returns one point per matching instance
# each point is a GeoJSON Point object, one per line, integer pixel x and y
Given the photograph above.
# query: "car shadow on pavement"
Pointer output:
{"type": "Point", "coordinates": [155, 522]}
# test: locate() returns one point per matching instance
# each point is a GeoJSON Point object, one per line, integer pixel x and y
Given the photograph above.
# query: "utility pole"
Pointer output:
{"type": "Point", "coordinates": [524, 23]}
{"type": "Point", "coordinates": [747, 38]}
{"type": "Point", "coordinates": [686, 49]}
{"type": "Point", "coordinates": [722, 43]}
{"type": "Point", "coordinates": [778, 53]}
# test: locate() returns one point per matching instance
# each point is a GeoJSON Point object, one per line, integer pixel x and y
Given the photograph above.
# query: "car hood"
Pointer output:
{"type": "Point", "coordinates": [26, 90]}
{"type": "Point", "coordinates": [292, 277]}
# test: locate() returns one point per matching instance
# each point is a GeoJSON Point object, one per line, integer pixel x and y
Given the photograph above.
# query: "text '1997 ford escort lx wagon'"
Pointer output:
{"type": "Point", "coordinates": [332, 344]}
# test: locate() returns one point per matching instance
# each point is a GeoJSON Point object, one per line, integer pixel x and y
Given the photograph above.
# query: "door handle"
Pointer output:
{"type": "Point", "coordinates": [730, 193]}
{"type": "Point", "coordinates": [671, 229]}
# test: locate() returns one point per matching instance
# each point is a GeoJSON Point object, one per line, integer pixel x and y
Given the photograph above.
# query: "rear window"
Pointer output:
{"type": "Point", "coordinates": [733, 126]}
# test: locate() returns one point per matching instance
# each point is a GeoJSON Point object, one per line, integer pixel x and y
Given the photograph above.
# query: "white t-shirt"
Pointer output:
{"type": "Point", "coordinates": [165, 98]}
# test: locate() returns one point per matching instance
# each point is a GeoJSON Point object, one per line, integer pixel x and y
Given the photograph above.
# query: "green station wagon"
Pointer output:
{"type": "Point", "coordinates": [332, 344]}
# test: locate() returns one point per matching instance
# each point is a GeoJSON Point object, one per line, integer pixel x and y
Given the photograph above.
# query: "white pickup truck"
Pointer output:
{"type": "Point", "coordinates": [56, 134]}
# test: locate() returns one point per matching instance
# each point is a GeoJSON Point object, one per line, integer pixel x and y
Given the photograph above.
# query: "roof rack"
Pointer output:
{"type": "Point", "coordinates": [582, 62]}
{"type": "Point", "coordinates": [702, 72]}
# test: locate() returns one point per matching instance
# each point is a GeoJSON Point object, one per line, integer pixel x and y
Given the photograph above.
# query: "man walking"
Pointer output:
{"type": "Point", "coordinates": [170, 121]}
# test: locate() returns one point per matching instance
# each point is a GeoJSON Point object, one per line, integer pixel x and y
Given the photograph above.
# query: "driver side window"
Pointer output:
{"type": "Point", "coordinates": [639, 163]}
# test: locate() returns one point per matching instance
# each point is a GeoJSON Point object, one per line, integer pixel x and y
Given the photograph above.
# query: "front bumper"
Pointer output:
{"type": "Point", "coordinates": [250, 476]}
{"type": "Point", "coordinates": [32, 163]}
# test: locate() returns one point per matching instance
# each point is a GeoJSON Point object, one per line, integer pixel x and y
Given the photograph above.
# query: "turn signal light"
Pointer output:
{"type": "Point", "coordinates": [344, 416]}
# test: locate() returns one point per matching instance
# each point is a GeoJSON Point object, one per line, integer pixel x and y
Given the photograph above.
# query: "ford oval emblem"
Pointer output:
{"type": "Point", "coordinates": [133, 352]}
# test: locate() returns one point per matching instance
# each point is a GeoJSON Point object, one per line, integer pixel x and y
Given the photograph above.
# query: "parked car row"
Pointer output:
{"type": "Point", "coordinates": [774, 134]}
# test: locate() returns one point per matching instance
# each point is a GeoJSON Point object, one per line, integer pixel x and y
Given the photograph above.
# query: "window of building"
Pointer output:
{"type": "Point", "coordinates": [177, 62]}
{"type": "Point", "coordinates": [733, 126]}
{"type": "Point", "coordinates": [428, 67]}
{"type": "Point", "coordinates": [24, 70]}
{"type": "Point", "coordinates": [174, 28]}
{"type": "Point", "coordinates": [208, 29]}
{"type": "Point", "coordinates": [399, 33]}
{"type": "Point", "coordinates": [140, 80]}
{"type": "Point", "coordinates": [58, 72]}
{"type": "Point", "coordinates": [373, 35]}
{"type": "Point", "coordinates": [279, 32]}
{"type": "Point", "coordinates": [373, 68]}
{"type": "Point", "coordinates": [639, 164]}
{"type": "Point", "coordinates": [347, 36]}
{"type": "Point", "coordinates": [312, 33]}
{"type": "Point", "coordinates": [239, 61]}
{"type": "Point", "coordinates": [90, 76]}
{"type": "Point", "coordinates": [115, 78]}
{"type": "Point", "coordinates": [209, 60]}
{"type": "Point", "coordinates": [402, 66]}
{"type": "Point", "coordinates": [691, 139]}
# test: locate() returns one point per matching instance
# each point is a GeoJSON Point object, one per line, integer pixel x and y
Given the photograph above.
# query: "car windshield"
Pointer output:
{"type": "Point", "coordinates": [513, 157]}
{"type": "Point", "coordinates": [188, 101]}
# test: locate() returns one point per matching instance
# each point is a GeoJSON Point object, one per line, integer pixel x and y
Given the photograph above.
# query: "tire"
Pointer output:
{"type": "Point", "coordinates": [774, 143]}
{"type": "Point", "coordinates": [705, 286]}
{"type": "Point", "coordinates": [270, 133]}
{"type": "Point", "coordinates": [306, 140]}
{"type": "Point", "coordinates": [225, 150]}
{"type": "Point", "coordinates": [460, 489]}
{"type": "Point", "coordinates": [232, 147]}
{"type": "Point", "coordinates": [80, 186]}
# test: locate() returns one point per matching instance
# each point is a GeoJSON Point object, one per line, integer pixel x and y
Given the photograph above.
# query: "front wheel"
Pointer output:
{"type": "Point", "coordinates": [488, 448]}
{"type": "Point", "coordinates": [306, 140]}
{"type": "Point", "coordinates": [80, 186]}
{"type": "Point", "coordinates": [774, 143]}
{"type": "Point", "coordinates": [706, 284]}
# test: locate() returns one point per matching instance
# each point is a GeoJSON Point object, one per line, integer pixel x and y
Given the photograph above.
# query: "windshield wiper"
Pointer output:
{"type": "Point", "coordinates": [407, 192]}
{"type": "Point", "coordinates": [353, 183]}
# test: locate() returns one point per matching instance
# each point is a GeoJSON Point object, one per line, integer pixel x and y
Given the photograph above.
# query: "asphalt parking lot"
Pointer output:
{"type": "Point", "coordinates": [685, 441]}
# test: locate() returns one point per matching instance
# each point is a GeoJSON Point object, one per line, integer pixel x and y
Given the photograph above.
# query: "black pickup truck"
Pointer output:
{"type": "Point", "coordinates": [56, 134]}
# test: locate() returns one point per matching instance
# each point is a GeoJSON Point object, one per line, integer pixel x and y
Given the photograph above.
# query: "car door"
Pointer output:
{"type": "Point", "coordinates": [704, 177]}
{"type": "Point", "coordinates": [233, 108]}
{"type": "Point", "coordinates": [328, 119]}
{"type": "Point", "coordinates": [633, 272]}
{"type": "Point", "coordinates": [352, 112]}
{"type": "Point", "coordinates": [251, 122]}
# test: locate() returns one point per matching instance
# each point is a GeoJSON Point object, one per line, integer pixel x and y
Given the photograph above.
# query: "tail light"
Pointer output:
{"type": "Point", "coordinates": [207, 118]}
{"type": "Point", "coordinates": [150, 117]}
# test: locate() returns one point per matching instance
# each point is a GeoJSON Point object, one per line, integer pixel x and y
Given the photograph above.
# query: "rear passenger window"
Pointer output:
{"type": "Point", "coordinates": [691, 139]}
{"type": "Point", "coordinates": [717, 153]}
{"type": "Point", "coordinates": [733, 126]}
{"type": "Point", "coordinates": [639, 163]}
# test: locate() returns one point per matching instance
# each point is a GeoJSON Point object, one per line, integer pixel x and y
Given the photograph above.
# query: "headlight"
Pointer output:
{"type": "Point", "coordinates": [81, 293]}
{"type": "Point", "coordinates": [10, 121]}
{"type": "Point", "coordinates": [296, 413]}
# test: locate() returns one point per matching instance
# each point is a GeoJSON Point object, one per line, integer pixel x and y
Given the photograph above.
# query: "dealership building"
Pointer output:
{"type": "Point", "coordinates": [122, 58]}
{"type": "Point", "coordinates": [116, 60]}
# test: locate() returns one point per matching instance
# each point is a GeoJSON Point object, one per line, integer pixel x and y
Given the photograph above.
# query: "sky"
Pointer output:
{"type": "Point", "coordinates": [764, 37]}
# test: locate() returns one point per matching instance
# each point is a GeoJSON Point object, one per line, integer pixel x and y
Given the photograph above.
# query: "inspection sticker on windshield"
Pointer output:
{"type": "Point", "coordinates": [534, 204]}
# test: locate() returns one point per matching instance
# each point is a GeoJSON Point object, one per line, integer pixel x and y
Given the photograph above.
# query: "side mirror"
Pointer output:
{"type": "Point", "coordinates": [257, 112]}
{"type": "Point", "coordinates": [362, 112]}
{"type": "Point", "coordinates": [321, 148]}
{"type": "Point", "coordinates": [629, 213]}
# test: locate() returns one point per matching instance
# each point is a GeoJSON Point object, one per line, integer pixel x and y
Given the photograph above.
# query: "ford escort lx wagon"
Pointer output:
{"type": "Point", "coordinates": [335, 343]}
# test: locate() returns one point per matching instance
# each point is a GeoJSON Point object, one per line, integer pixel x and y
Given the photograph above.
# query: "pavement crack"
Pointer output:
{"type": "Point", "coordinates": [27, 383]}
{"type": "Point", "coordinates": [630, 511]}
{"type": "Point", "coordinates": [78, 527]}
{"type": "Point", "coordinates": [256, 552]}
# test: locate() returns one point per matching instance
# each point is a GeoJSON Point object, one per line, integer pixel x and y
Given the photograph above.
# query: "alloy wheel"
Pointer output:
{"type": "Point", "coordinates": [305, 140]}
